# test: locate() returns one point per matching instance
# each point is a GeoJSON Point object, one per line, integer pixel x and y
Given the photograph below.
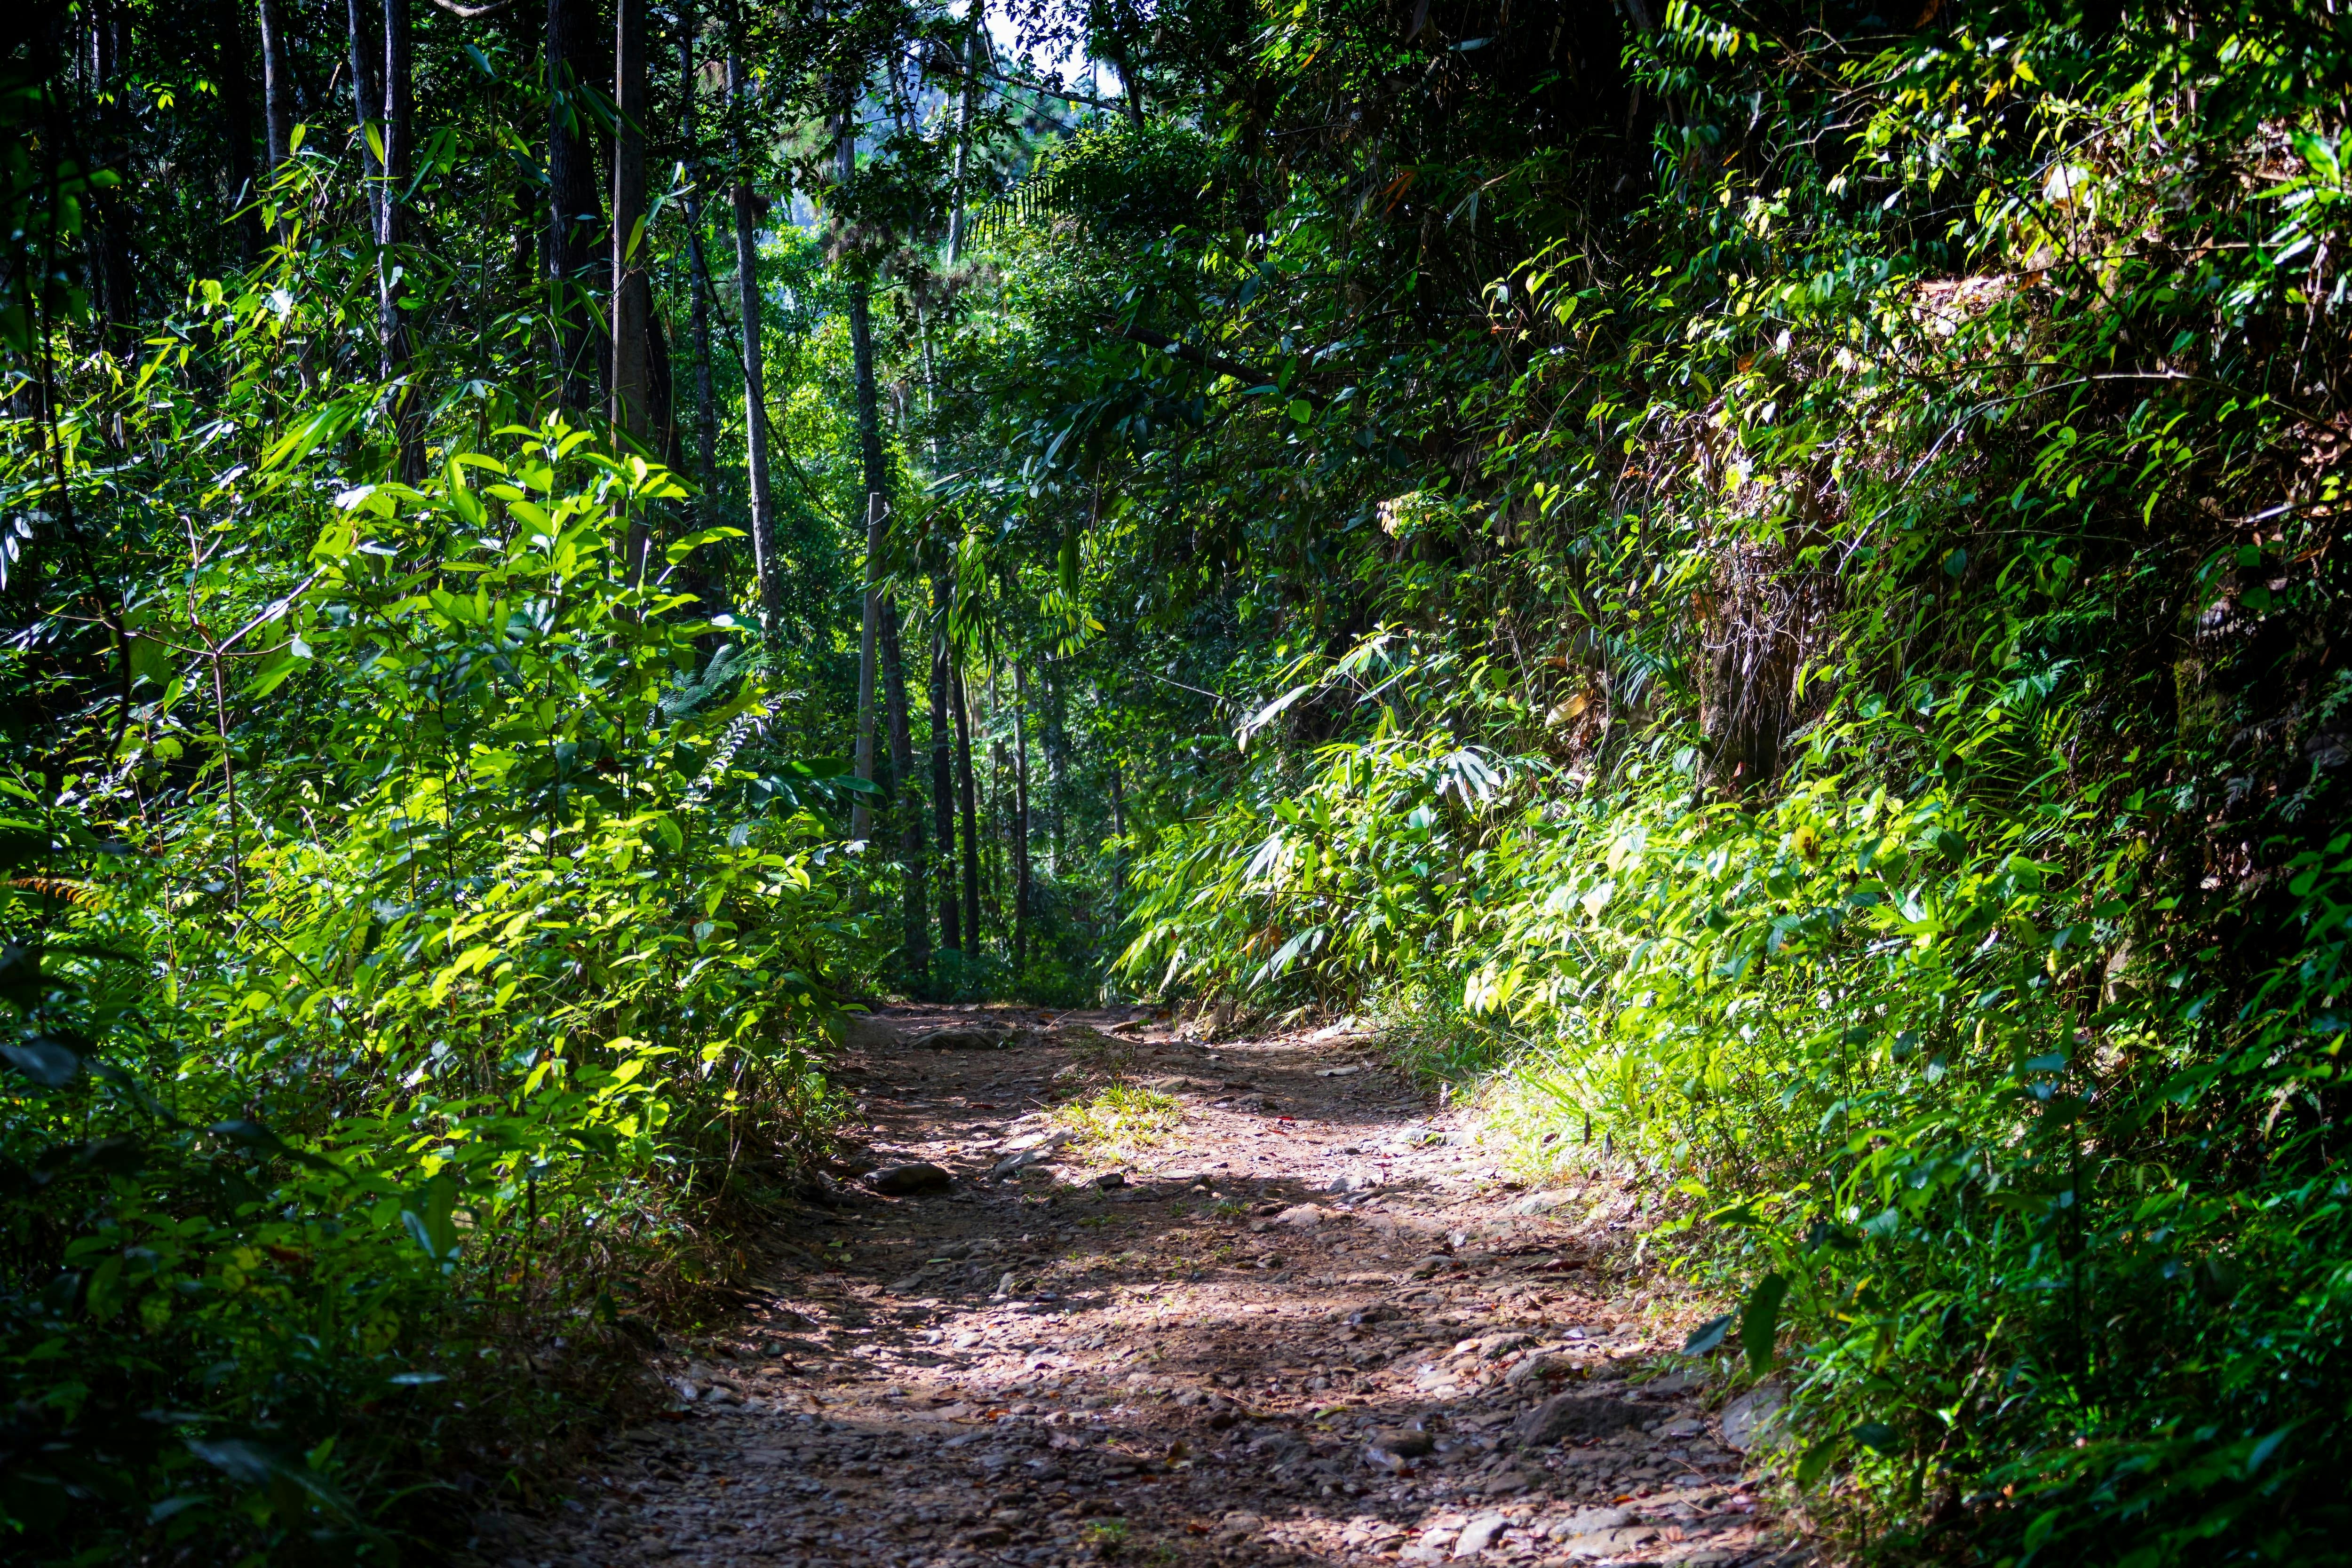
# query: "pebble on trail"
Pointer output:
{"type": "Point", "coordinates": [1021, 1346]}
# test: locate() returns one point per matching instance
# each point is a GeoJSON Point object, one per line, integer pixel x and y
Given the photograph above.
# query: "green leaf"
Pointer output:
{"type": "Point", "coordinates": [1760, 1322]}
{"type": "Point", "coordinates": [1878, 1435]}
{"type": "Point", "coordinates": [430, 1222]}
{"type": "Point", "coordinates": [1818, 1457]}
{"type": "Point", "coordinates": [44, 1061]}
{"type": "Point", "coordinates": [1709, 1335]}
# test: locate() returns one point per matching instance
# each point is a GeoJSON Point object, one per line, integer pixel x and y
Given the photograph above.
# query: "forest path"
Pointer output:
{"type": "Point", "coordinates": [1314, 1326]}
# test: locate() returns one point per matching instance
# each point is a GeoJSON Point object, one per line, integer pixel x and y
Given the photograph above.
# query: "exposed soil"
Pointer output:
{"type": "Point", "coordinates": [1314, 1325]}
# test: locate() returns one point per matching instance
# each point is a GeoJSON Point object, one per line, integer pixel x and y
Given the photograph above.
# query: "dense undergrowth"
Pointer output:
{"type": "Point", "coordinates": [1862, 728]}
{"type": "Point", "coordinates": [429, 1084]}
{"type": "Point", "coordinates": [1775, 567]}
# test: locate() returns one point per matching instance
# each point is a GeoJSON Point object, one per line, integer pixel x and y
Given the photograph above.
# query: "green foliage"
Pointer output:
{"type": "Point", "coordinates": [472, 973]}
{"type": "Point", "coordinates": [1857, 721]}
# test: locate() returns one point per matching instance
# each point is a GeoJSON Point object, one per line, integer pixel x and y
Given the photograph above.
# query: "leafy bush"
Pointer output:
{"type": "Point", "coordinates": [423, 1038]}
{"type": "Point", "coordinates": [1863, 728]}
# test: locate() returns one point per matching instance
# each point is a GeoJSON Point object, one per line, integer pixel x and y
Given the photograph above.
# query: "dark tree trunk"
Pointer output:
{"type": "Point", "coordinates": [755, 389]}
{"type": "Point", "coordinates": [943, 767]}
{"type": "Point", "coordinates": [1057, 766]}
{"type": "Point", "coordinates": [905, 801]}
{"type": "Point", "coordinates": [968, 795]}
{"type": "Point", "coordinates": [1118, 846]}
{"type": "Point", "coordinates": [632, 288]}
{"type": "Point", "coordinates": [276, 84]}
{"type": "Point", "coordinates": [706, 416]}
{"type": "Point", "coordinates": [392, 329]}
{"type": "Point", "coordinates": [367, 103]}
{"type": "Point", "coordinates": [114, 281]}
{"type": "Point", "coordinates": [244, 159]}
{"type": "Point", "coordinates": [869, 445]}
{"type": "Point", "coordinates": [632, 298]}
{"type": "Point", "coordinates": [574, 208]}
{"type": "Point", "coordinates": [1020, 820]}
{"type": "Point", "coordinates": [976, 38]}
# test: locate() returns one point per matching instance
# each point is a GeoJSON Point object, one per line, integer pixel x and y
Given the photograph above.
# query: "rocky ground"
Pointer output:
{"type": "Point", "coordinates": [1310, 1322]}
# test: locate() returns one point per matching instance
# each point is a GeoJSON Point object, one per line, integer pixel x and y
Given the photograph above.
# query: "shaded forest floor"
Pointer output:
{"type": "Point", "coordinates": [1314, 1325]}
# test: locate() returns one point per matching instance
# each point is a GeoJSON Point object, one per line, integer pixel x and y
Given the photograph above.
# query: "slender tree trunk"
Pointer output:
{"type": "Point", "coordinates": [113, 277]}
{"type": "Point", "coordinates": [861, 820]}
{"type": "Point", "coordinates": [1118, 848]}
{"type": "Point", "coordinates": [632, 298]}
{"type": "Point", "coordinates": [907, 801]}
{"type": "Point", "coordinates": [276, 84]}
{"type": "Point", "coordinates": [943, 767]}
{"type": "Point", "coordinates": [632, 307]}
{"type": "Point", "coordinates": [572, 209]}
{"type": "Point", "coordinates": [367, 102]}
{"type": "Point", "coordinates": [973, 40]}
{"type": "Point", "coordinates": [244, 168]}
{"type": "Point", "coordinates": [1057, 766]}
{"type": "Point", "coordinates": [755, 389]}
{"type": "Point", "coordinates": [870, 442]}
{"type": "Point", "coordinates": [968, 800]}
{"type": "Point", "coordinates": [1000, 838]}
{"type": "Point", "coordinates": [1020, 819]}
{"type": "Point", "coordinates": [705, 420]}
{"type": "Point", "coordinates": [392, 330]}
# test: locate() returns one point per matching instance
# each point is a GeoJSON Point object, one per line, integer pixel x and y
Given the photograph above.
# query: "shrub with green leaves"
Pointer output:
{"type": "Point", "coordinates": [413, 1029]}
{"type": "Point", "coordinates": [1895, 623]}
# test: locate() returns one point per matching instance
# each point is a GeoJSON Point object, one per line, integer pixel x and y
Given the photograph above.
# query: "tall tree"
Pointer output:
{"type": "Point", "coordinates": [968, 802]}
{"type": "Point", "coordinates": [106, 42]}
{"type": "Point", "coordinates": [697, 256]}
{"type": "Point", "coordinates": [276, 84]}
{"type": "Point", "coordinates": [574, 209]}
{"type": "Point", "coordinates": [906, 802]}
{"type": "Point", "coordinates": [975, 40]}
{"type": "Point", "coordinates": [869, 448]}
{"type": "Point", "coordinates": [631, 291]}
{"type": "Point", "coordinates": [943, 765]}
{"type": "Point", "coordinates": [755, 389]}
{"type": "Point", "coordinates": [1020, 818]}
{"type": "Point", "coordinates": [244, 160]}
{"type": "Point", "coordinates": [869, 634]}
{"type": "Point", "coordinates": [392, 326]}
{"type": "Point", "coordinates": [632, 295]}
{"type": "Point", "coordinates": [1119, 842]}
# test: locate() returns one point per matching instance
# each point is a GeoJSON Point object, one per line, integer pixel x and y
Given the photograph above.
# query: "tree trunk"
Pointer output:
{"type": "Point", "coordinates": [277, 85]}
{"type": "Point", "coordinates": [573, 211]}
{"type": "Point", "coordinates": [631, 298]}
{"type": "Point", "coordinates": [367, 102]}
{"type": "Point", "coordinates": [869, 444]}
{"type": "Point", "coordinates": [1020, 820]}
{"type": "Point", "coordinates": [392, 329]}
{"type": "Point", "coordinates": [243, 160]}
{"type": "Point", "coordinates": [943, 767]}
{"type": "Point", "coordinates": [861, 820]}
{"type": "Point", "coordinates": [972, 51]}
{"type": "Point", "coordinates": [706, 416]}
{"type": "Point", "coordinates": [113, 275]}
{"type": "Point", "coordinates": [1057, 768]}
{"type": "Point", "coordinates": [755, 389]}
{"type": "Point", "coordinates": [1118, 845]}
{"type": "Point", "coordinates": [968, 800]}
{"type": "Point", "coordinates": [632, 307]}
{"type": "Point", "coordinates": [905, 801]}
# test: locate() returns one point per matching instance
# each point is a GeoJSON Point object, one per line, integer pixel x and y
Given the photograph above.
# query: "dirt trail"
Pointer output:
{"type": "Point", "coordinates": [1313, 1327]}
